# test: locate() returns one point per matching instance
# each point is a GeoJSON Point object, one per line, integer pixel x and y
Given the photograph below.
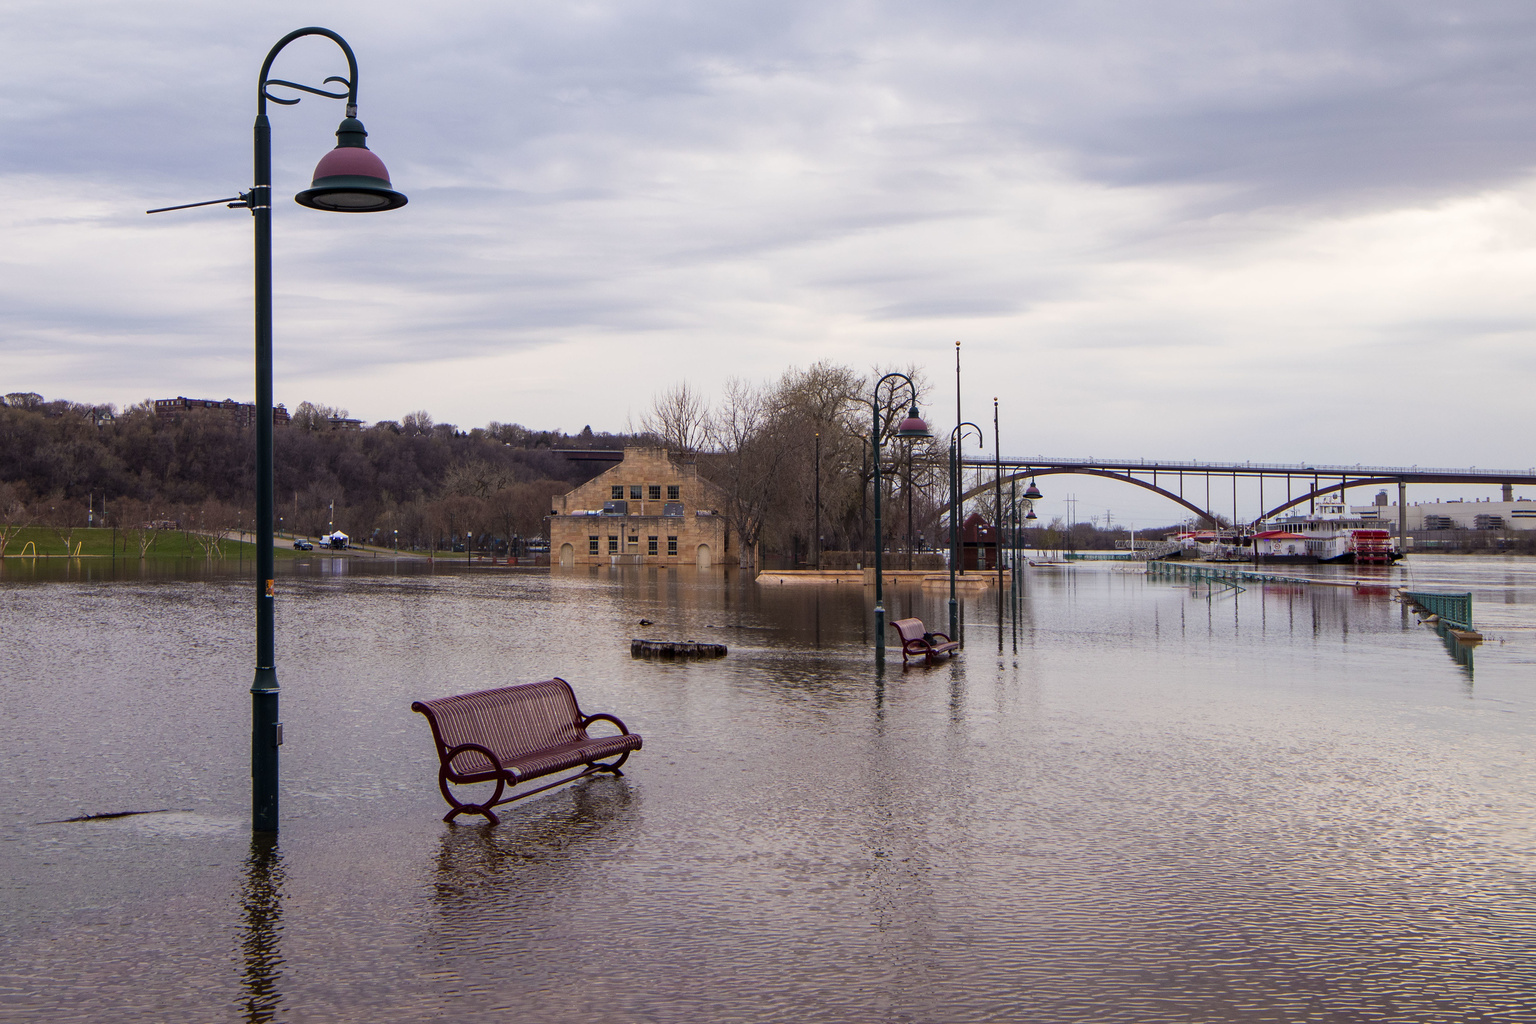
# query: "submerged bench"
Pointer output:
{"type": "Point", "coordinates": [916, 642]}
{"type": "Point", "coordinates": [515, 734]}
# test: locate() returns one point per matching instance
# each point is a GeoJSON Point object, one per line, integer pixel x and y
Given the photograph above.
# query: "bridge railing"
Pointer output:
{"type": "Point", "coordinates": [1297, 468]}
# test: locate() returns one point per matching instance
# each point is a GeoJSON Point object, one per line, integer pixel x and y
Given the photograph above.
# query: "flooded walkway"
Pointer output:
{"type": "Point", "coordinates": [1291, 803]}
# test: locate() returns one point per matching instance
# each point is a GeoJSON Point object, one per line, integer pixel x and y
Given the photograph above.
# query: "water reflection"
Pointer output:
{"type": "Point", "coordinates": [496, 890]}
{"type": "Point", "coordinates": [261, 906]}
{"type": "Point", "coordinates": [1461, 654]}
{"type": "Point", "coordinates": [1164, 807]}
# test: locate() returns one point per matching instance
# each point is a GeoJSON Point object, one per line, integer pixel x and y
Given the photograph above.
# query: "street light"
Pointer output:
{"type": "Point", "coordinates": [349, 179]}
{"type": "Point", "coordinates": [910, 428]}
{"type": "Point", "coordinates": [818, 501]}
{"type": "Point", "coordinates": [956, 437]}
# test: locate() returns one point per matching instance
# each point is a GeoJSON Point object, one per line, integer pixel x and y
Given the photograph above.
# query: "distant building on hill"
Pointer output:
{"type": "Point", "coordinates": [244, 412]}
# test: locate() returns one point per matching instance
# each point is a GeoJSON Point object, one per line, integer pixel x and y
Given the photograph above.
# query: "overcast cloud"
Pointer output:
{"type": "Point", "coordinates": [1267, 231]}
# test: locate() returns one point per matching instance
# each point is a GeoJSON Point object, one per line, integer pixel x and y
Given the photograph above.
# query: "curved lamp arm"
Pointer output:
{"type": "Point", "coordinates": [960, 430]}
{"type": "Point", "coordinates": [262, 95]}
{"type": "Point", "coordinates": [874, 403]}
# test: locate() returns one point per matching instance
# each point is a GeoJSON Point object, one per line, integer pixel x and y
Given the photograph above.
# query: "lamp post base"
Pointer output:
{"type": "Point", "coordinates": [879, 636]}
{"type": "Point", "coordinates": [266, 737]}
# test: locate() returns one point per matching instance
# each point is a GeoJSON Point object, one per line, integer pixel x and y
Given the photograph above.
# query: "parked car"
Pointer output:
{"type": "Point", "coordinates": [303, 545]}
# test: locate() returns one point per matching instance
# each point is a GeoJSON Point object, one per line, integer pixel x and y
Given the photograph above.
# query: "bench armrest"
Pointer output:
{"type": "Point", "coordinates": [600, 717]}
{"type": "Point", "coordinates": [942, 638]}
{"type": "Point", "coordinates": [454, 752]}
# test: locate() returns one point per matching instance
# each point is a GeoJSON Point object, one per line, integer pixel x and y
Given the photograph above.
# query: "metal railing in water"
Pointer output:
{"type": "Point", "coordinates": [1453, 609]}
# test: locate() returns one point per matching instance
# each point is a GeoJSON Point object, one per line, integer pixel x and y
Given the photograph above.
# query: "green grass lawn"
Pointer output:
{"type": "Point", "coordinates": [103, 543]}
{"type": "Point", "coordinates": [43, 542]}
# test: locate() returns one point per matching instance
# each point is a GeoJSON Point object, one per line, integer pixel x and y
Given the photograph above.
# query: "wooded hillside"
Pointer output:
{"type": "Point", "coordinates": [62, 463]}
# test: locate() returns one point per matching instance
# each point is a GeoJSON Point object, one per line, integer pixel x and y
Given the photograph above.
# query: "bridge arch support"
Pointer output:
{"type": "Point", "coordinates": [1338, 485]}
{"type": "Point", "coordinates": [1124, 478]}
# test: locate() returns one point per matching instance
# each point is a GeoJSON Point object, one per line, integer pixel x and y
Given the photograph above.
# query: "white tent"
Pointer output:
{"type": "Point", "coordinates": [336, 540]}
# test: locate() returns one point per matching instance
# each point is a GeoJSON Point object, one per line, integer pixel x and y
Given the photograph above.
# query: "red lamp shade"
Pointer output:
{"type": "Point", "coordinates": [351, 178]}
{"type": "Point", "coordinates": [1032, 492]}
{"type": "Point", "coordinates": [913, 426]}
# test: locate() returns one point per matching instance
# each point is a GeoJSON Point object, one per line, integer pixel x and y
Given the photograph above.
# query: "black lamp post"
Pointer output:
{"type": "Point", "coordinates": [956, 437]}
{"type": "Point", "coordinates": [910, 428]}
{"type": "Point", "coordinates": [818, 501]}
{"type": "Point", "coordinates": [348, 179]}
{"type": "Point", "coordinates": [997, 484]}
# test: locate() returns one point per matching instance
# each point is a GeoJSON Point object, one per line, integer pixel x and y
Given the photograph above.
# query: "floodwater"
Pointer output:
{"type": "Point", "coordinates": [1147, 802]}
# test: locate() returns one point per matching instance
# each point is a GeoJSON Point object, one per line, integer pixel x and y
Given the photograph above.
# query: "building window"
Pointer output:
{"type": "Point", "coordinates": [613, 544]}
{"type": "Point", "coordinates": [592, 545]}
{"type": "Point", "coordinates": [672, 490]}
{"type": "Point", "coordinates": [671, 545]}
{"type": "Point", "coordinates": [634, 542]}
{"type": "Point", "coordinates": [618, 492]}
{"type": "Point", "coordinates": [655, 492]}
{"type": "Point", "coordinates": [634, 491]}
{"type": "Point", "coordinates": [650, 545]}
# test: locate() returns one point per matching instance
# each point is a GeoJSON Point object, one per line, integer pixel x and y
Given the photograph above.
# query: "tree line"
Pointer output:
{"type": "Point", "coordinates": [67, 464]}
{"type": "Point", "coordinates": [794, 454]}
{"type": "Point", "coordinates": [791, 455]}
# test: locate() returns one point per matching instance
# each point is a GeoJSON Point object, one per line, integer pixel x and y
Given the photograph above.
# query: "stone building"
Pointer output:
{"type": "Point", "coordinates": [649, 509]}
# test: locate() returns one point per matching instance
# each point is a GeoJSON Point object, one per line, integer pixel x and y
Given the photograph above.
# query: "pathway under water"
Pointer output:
{"type": "Point", "coordinates": [1289, 803]}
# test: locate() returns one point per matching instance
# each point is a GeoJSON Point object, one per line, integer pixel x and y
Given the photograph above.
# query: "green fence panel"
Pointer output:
{"type": "Point", "coordinates": [1452, 608]}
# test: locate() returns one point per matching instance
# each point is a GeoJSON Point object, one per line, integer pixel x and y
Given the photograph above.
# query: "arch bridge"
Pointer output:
{"type": "Point", "coordinates": [1302, 482]}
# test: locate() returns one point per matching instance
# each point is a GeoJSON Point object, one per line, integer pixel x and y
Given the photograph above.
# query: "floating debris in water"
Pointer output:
{"type": "Point", "coordinates": [107, 814]}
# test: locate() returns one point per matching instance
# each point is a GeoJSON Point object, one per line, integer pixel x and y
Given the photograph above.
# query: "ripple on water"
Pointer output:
{"type": "Point", "coordinates": [1286, 807]}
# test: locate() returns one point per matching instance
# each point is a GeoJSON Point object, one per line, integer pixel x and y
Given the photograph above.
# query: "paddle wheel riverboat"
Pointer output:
{"type": "Point", "coordinates": [1334, 534]}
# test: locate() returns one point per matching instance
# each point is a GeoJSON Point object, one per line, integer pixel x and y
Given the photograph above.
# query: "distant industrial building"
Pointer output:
{"type": "Point", "coordinates": [244, 412]}
{"type": "Point", "coordinates": [1512, 514]}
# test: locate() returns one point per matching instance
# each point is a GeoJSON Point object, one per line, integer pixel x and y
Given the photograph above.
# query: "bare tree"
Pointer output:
{"type": "Point", "coordinates": [310, 416]}
{"type": "Point", "coordinates": [816, 422]}
{"type": "Point", "coordinates": [63, 515]}
{"type": "Point", "coordinates": [475, 479]}
{"type": "Point", "coordinates": [751, 457]}
{"type": "Point", "coordinates": [209, 526]}
{"type": "Point", "coordinates": [14, 515]}
{"type": "Point", "coordinates": [139, 524]}
{"type": "Point", "coordinates": [679, 418]}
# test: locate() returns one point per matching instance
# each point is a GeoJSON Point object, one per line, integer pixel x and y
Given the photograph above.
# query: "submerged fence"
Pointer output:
{"type": "Point", "coordinates": [1453, 609]}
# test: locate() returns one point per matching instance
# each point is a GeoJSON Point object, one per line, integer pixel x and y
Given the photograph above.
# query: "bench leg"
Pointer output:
{"type": "Point", "coordinates": [598, 766]}
{"type": "Point", "coordinates": [490, 815]}
{"type": "Point", "coordinates": [460, 807]}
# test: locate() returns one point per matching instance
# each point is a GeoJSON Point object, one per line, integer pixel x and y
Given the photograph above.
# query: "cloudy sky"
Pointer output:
{"type": "Point", "coordinates": [1300, 231]}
